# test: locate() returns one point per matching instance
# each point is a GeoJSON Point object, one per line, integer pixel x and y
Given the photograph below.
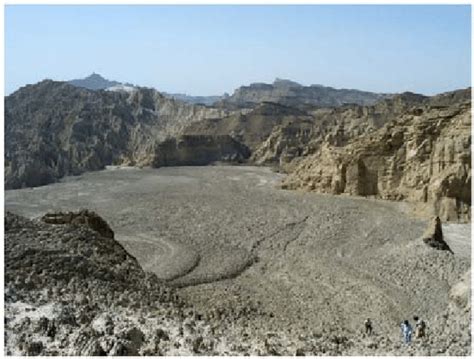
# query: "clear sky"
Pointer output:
{"type": "Point", "coordinates": [207, 50]}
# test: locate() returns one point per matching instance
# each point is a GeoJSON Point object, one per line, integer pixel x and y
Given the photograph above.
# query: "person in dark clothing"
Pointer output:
{"type": "Point", "coordinates": [368, 326]}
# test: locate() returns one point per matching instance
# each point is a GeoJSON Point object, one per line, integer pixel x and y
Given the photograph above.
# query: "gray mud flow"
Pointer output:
{"type": "Point", "coordinates": [226, 235]}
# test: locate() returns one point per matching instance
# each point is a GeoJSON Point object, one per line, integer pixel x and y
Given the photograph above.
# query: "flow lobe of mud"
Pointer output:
{"type": "Point", "coordinates": [182, 265]}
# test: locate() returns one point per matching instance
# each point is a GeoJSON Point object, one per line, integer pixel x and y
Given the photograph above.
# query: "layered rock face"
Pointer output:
{"type": "Point", "coordinates": [421, 156]}
{"type": "Point", "coordinates": [250, 127]}
{"type": "Point", "coordinates": [198, 150]}
{"type": "Point", "coordinates": [293, 94]}
{"type": "Point", "coordinates": [53, 129]}
{"type": "Point", "coordinates": [292, 140]}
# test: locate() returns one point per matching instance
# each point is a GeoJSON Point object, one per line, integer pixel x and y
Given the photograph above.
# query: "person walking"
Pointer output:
{"type": "Point", "coordinates": [420, 327]}
{"type": "Point", "coordinates": [368, 326]}
{"type": "Point", "coordinates": [406, 331]}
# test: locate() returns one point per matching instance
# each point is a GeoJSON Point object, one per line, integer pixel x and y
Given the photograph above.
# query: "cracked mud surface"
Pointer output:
{"type": "Point", "coordinates": [310, 261]}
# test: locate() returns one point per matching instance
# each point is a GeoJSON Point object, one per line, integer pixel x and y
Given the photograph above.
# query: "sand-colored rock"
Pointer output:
{"type": "Point", "coordinates": [290, 141]}
{"type": "Point", "coordinates": [422, 156]}
{"type": "Point", "coordinates": [293, 94]}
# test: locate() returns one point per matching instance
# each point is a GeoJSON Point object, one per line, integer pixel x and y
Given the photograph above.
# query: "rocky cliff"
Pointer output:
{"type": "Point", "coordinates": [301, 136]}
{"type": "Point", "coordinates": [53, 129]}
{"type": "Point", "coordinates": [293, 94]}
{"type": "Point", "coordinates": [421, 156]}
{"type": "Point", "coordinates": [250, 127]}
{"type": "Point", "coordinates": [201, 150]}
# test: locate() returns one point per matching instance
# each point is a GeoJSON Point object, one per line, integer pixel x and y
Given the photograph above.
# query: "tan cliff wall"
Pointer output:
{"type": "Point", "coordinates": [422, 157]}
{"type": "Point", "coordinates": [290, 142]}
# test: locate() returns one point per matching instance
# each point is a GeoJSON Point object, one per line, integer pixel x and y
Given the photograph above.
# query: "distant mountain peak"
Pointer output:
{"type": "Point", "coordinates": [95, 75]}
{"type": "Point", "coordinates": [94, 81]}
{"type": "Point", "coordinates": [284, 82]}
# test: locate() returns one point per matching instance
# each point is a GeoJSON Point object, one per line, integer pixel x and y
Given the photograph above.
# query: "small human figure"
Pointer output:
{"type": "Point", "coordinates": [420, 327]}
{"type": "Point", "coordinates": [368, 326]}
{"type": "Point", "coordinates": [406, 331]}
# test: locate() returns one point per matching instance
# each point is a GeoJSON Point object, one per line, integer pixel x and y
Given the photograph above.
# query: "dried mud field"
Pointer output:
{"type": "Point", "coordinates": [228, 238]}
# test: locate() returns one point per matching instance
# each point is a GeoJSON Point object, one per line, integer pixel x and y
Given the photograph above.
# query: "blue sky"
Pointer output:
{"type": "Point", "coordinates": [206, 50]}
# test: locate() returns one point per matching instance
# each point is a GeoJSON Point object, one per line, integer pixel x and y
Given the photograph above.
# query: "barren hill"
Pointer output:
{"type": "Point", "coordinates": [293, 94]}
{"type": "Point", "coordinates": [53, 129]}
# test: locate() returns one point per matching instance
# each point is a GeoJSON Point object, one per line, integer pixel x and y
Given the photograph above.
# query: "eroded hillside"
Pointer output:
{"type": "Point", "coordinates": [422, 155]}
{"type": "Point", "coordinates": [53, 129]}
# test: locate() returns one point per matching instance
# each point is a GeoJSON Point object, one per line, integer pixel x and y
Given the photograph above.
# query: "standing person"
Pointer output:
{"type": "Point", "coordinates": [406, 331]}
{"type": "Point", "coordinates": [420, 327]}
{"type": "Point", "coordinates": [368, 326]}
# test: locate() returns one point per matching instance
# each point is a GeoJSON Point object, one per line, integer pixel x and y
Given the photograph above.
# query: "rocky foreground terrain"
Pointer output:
{"type": "Point", "coordinates": [217, 261]}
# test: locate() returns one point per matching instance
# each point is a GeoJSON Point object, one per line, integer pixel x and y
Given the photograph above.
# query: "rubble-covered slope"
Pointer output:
{"type": "Point", "coordinates": [421, 156]}
{"type": "Point", "coordinates": [60, 278]}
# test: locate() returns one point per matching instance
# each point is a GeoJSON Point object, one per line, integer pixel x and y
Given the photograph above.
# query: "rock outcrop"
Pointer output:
{"type": "Point", "coordinates": [301, 136]}
{"type": "Point", "coordinates": [82, 217]}
{"type": "Point", "coordinates": [422, 156]}
{"type": "Point", "coordinates": [250, 127]}
{"type": "Point", "coordinates": [290, 93]}
{"type": "Point", "coordinates": [433, 236]}
{"type": "Point", "coordinates": [199, 150]}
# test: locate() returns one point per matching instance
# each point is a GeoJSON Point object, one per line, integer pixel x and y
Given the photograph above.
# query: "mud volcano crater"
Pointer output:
{"type": "Point", "coordinates": [225, 236]}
